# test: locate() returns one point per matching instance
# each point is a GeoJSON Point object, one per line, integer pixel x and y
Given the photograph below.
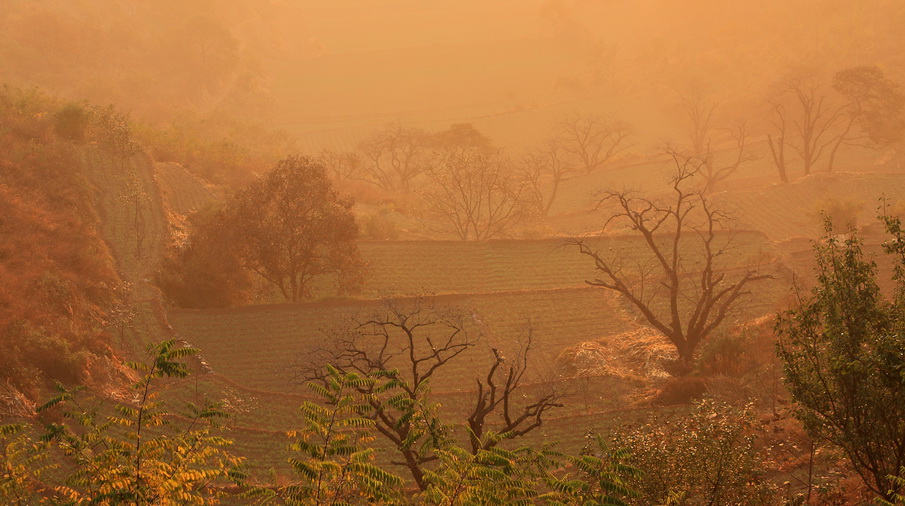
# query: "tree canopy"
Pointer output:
{"type": "Point", "coordinates": [290, 227]}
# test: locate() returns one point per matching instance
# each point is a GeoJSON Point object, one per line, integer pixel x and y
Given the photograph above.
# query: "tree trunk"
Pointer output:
{"type": "Point", "coordinates": [685, 363]}
{"type": "Point", "coordinates": [842, 137]}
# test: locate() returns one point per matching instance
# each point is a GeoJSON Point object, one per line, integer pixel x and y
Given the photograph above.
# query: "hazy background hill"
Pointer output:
{"type": "Point", "coordinates": [329, 72]}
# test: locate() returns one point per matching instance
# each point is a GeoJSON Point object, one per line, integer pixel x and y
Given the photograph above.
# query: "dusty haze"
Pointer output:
{"type": "Point", "coordinates": [329, 72]}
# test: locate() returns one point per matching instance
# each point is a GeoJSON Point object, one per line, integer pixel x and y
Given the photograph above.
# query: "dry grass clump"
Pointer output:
{"type": "Point", "coordinates": [637, 354]}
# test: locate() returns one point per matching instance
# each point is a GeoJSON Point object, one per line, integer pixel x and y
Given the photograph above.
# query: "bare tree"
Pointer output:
{"type": "Point", "coordinates": [135, 195]}
{"type": "Point", "coordinates": [700, 114]}
{"type": "Point", "coordinates": [813, 119]}
{"type": "Point", "coordinates": [548, 166]}
{"type": "Point", "coordinates": [395, 156]}
{"type": "Point", "coordinates": [778, 144]}
{"type": "Point", "coordinates": [478, 195]}
{"type": "Point", "coordinates": [679, 289]}
{"type": "Point", "coordinates": [405, 344]}
{"type": "Point", "coordinates": [592, 141]}
{"type": "Point", "coordinates": [814, 124]}
{"type": "Point", "coordinates": [497, 395]}
{"type": "Point", "coordinates": [341, 165]}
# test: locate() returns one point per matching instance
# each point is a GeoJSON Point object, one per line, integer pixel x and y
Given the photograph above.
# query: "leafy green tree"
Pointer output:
{"type": "Point", "coordinates": [23, 463]}
{"type": "Point", "coordinates": [875, 103]}
{"type": "Point", "coordinates": [493, 476]}
{"type": "Point", "coordinates": [897, 499]}
{"type": "Point", "coordinates": [401, 347]}
{"type": "Point", "coordinates": [843, 350]}
{"type": "Point", "coordinates": [600, 476]}
{"type": "Point", "coordinates": [335, 465]}
{"type": "Point", "coordinates": [290, 227]}
{"type": "Point", "coordinates": [204, 271]}
{"type": "Point", "coordinates": [71, 122]}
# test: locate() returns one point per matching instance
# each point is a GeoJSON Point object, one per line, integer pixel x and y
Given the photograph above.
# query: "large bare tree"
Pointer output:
{"type": "Point", "coordinates": [679, 288]}
{"type": "Point", "coordinates": [404, 344]}
{"type": "Point", "coordinates": [591, 141]}
{"type": "Point", "coordinates": [395, 156]}
{"type": "Point", "coordinates": [478, 195]}
{"type": "Point", "coordinates": [498, 397]}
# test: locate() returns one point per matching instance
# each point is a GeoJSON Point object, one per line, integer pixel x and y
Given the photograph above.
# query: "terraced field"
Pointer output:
{"type": "Point", "coordinates": [792, 210]}
{"type": "Point", "coordinates": [254, 346]}
{"type": "Point", "coordinates": [250, 349]}
{"type": "Point", "coordinates": [417, 267]}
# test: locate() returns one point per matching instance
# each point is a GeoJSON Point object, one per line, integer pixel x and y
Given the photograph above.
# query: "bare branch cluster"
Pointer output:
{"type": "Point", "coordinates": [395, 156]}
{"type": "Point", "coordinates": [815, 125]}
{"type": "Point", "coordinates": [591, 141]}
{"type": "Point", "coordinates": [405, 344]}
{"type": "Point", "coordinates": [546, 167]}
{"type": "Point", "coordinates": [496, 395]}
{"type": "Point", "coordinates": [478, 195]}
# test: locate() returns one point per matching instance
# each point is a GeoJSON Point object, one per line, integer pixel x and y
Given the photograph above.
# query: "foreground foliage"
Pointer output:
{"type": "Point", "coordinates": [707, 457]}
{"type": "Point", "coordinates": [140, 453]}
{"type": "Point", "coordinates": [844, 356]}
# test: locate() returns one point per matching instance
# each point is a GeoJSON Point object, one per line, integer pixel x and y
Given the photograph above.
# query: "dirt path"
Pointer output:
{"type": "Point", "coordinates": [133, 222]}
{"type": "Point", "coordinates": [134, 226]}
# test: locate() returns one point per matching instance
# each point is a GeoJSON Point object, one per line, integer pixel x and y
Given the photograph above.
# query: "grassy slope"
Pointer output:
{"type": "Point", "coordinates": [56, 275]}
